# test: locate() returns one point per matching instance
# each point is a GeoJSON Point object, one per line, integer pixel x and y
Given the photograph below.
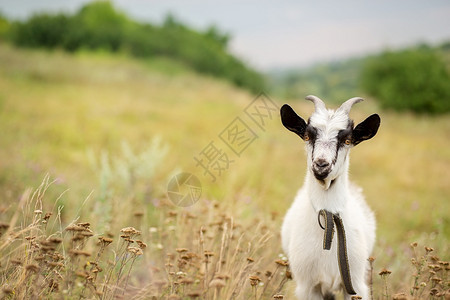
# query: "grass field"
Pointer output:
{"type": "Point", "coordinates": [111, 132]}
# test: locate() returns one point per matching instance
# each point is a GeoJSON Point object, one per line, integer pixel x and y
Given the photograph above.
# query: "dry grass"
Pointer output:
{"type": "Point", "coordinates": [204, 252]}
{"type": "Point", "coordinates": [199, 253]}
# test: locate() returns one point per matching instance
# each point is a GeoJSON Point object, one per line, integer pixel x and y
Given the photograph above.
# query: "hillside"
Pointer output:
{"type": "Point", "coordinates": [112, 131]}
{"type": "Point", "coordinates": [99, 25]}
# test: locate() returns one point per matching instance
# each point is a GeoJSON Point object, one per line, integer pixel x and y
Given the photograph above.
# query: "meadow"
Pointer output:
{"type": "Point", "coordinates": [89, 142]}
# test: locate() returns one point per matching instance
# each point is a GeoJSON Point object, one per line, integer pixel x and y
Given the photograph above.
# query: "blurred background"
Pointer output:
{"type": "Point", "coordinates": [113, 98]}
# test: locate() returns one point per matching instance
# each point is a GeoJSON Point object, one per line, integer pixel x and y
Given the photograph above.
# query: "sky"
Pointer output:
{"type": "Point", "coordinates": [287, 33]}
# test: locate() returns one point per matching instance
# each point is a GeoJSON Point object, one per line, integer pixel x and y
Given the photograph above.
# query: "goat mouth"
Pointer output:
{"type": "Point", "coordinates": [321, 174]}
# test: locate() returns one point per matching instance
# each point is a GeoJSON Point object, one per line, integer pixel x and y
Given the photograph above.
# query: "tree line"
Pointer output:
{"type": "Point", "coordinates": [99, 25]}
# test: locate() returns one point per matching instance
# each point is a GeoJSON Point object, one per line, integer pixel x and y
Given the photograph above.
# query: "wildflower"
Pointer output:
{"type": "Point", "coordinates": [288, 274]}
{"type": "Point", "coordinates": [181, 250]}
{"type": "Point", "coordinates": [130, 231]}
{"type": "Point", "coordinates": [141, 244]}
{"type": "Point", "coordinates": [250, 260]}
{"type": "Point", "coordinates": [84, 224]}
{"type": "Point", "coordinates": [186, 281]}
{"type": "Point", "coordinates": [55, 240]}
{"type": "Point", "coordinates": [8, 291]}
{"type": "Point", "coordinates": [194, 295]}
{"type": "Point", "coordinates": [172, 213]}
{"type": "Point", "coordinates": [32, 268]}
{"type": "Point", "coordinates": [79, 252]}
{"type": "Point", "coordinates": [278, 296]}
{"type": "Point", "coordinates": [429, 249]}
{"type": "Point", "coordinates": [135, 250]}
{"type": "Point", "coordinates": [208, 254]}
{"type": "Point", "coordinates": [436, 279]}
{"type": "Point", "coordinates": [434, 291]}
{"type": "Point", "coordinates": [217, 283]}
{"type": "Point", "coordinates": [254, 280]}
{"type": "Point", "coordinates": [435, 268]}
{"type": "Point", "coordinates": [105, 241]}
{"type": "Point", "coordinates": [384, 272]}
{"type": "Point", "coordinates": [282, 262]}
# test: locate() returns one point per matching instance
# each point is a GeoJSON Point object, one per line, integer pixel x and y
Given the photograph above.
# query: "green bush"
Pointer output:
{"type": "Point", "coordinates": [415, 79]}
{"type": "Point", "coordinates": [98, 25]}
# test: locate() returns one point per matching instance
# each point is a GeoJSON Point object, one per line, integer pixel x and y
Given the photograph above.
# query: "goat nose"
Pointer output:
{"type": "Point", "coordinates": [321, 163]}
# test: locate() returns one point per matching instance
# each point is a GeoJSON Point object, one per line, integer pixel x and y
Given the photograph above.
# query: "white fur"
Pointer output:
{"type": "Point", "coordinates": [315, 270]}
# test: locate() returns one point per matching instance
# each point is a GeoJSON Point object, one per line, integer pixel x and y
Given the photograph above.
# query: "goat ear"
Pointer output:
{"type": "Point", "coordinates": [366, 129]}
{"type": "Point", "coordinates": [292, 121]}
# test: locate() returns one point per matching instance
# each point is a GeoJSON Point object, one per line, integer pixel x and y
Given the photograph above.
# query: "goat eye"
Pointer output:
{"type": "Point", "coordinates": [347, 141]}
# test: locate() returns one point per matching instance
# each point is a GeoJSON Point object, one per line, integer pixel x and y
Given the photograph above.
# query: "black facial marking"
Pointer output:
{"type": "Point", "coordinates": [342, 136]}
{"type": "Point", "coordinates": [311, 133]}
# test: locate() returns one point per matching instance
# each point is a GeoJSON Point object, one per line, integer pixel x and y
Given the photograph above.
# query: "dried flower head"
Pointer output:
{"type": "Point", "coordinates": [254, 280]}
{"type": "Point", "coordinates": [194, 295]}
{"type": "Point", "coordinates": [47, 216]}
{"type": "Point", "coordinates": [282, 262]}
{"type": "Point", "coordinates": [141, 244]}
{"type": "Point", "coordinates": [208, 253]}
{"type": "Point", "coordinates": [217, 283]}
{"type": "Point", "coordinates": [32, 268]}
{"type": "Point", "coordinates": [76, 252]}
{"type": "Point", "coordinates": [288, 274]}
{"type": "Point", "coordinates": [384, 272]}
{"type": "Point", "coordinates": [135, 250]}
{"type": "Point", "coordinates": [105, 241]}
{"type": "Point", "coordinates": [130, 231]}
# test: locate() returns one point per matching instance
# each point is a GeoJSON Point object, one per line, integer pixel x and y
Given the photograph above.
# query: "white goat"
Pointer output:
{"type": "Point", "coordinates": [329, 136]}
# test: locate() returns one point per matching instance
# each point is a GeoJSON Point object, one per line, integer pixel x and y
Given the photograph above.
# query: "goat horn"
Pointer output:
{"type": "Point", "coordinates": [318, 103]}
{"type": "Point", "coordinates": [347, 105]}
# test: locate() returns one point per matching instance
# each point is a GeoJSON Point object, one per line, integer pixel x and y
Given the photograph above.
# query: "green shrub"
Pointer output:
{"type": "Point", "coordinates": [42, 30]}
{"type": "Point", "coordinates": [98, 25]}
{"type": "Point", "coordinates": [416, 80]}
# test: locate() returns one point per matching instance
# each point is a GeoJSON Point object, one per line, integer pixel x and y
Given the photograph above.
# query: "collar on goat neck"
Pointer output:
{"type": "Point", "coordinates": [344, 268]}
{"type": "Point", "coordinates": [333, 199]}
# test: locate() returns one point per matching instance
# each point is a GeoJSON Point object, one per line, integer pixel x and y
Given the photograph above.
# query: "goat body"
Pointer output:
{"type": "Point", "coordinates": [329, 135]}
